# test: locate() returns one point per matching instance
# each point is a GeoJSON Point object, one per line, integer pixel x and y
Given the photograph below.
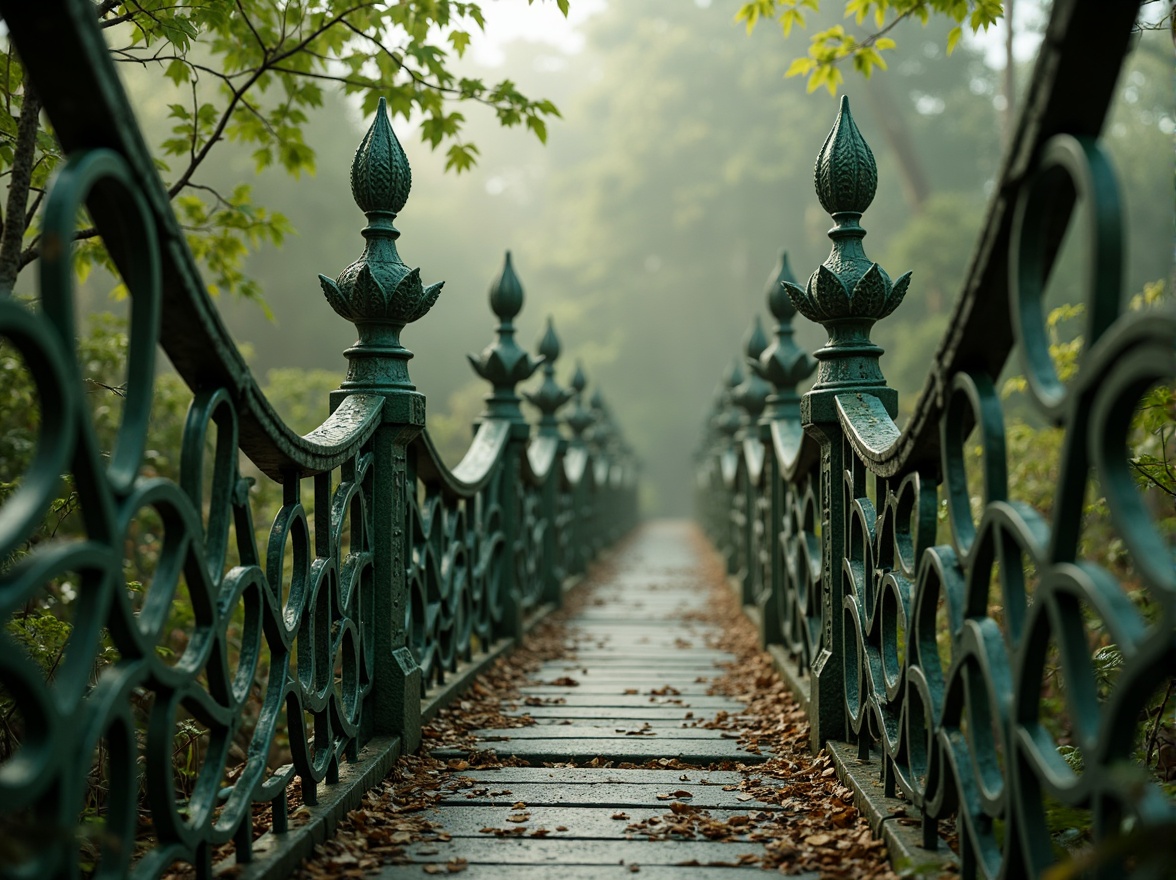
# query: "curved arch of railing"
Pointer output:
{"type": "Point", "coordinates": [383, 571]}
{"type": "Point", "coordinates": [827, 511]}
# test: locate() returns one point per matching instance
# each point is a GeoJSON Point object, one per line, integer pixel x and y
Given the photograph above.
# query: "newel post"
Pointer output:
{"type": "Point", "coordinates": [784, 365]}
{"type": "Point", "coordinates": [847, 295]}
{"type": "Point", "coordinates": [549, 399]}
{"type": "Point", "coordinates": [380, 295]}
{"type": "Point", "coordinates": [504, 364]}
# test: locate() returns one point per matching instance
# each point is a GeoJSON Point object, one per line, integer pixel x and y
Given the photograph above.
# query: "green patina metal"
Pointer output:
{"type": "Point", "coordinates": [930, 656]}
{"type": "Point", "coordinates": [348, 617]}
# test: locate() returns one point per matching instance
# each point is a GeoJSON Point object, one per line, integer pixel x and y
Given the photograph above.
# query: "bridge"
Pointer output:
{"type": "Point", "coordinates": [493, 667]}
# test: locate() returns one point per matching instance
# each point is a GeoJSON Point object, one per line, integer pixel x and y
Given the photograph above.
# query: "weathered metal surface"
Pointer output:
{"type": "Point", "coordinates": [928, 651]}
{"type": "Point", "coordinates": [330, 625]}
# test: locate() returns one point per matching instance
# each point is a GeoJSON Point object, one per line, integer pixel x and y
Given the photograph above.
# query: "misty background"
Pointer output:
{"type": "Point", "coordinates": [649, 223]}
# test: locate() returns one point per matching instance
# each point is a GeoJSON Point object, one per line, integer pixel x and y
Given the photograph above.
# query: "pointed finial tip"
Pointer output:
{"type": "Point", "coordinates": [756, 341]}
{"type": "Point", "coordinates": [380, 175]}
{"type": "Point", "coordinates": [506, 293]}
{"type": "Point", "coordinates": [549, 345]}
{"type": "Point", "coordinates": [846, 175]}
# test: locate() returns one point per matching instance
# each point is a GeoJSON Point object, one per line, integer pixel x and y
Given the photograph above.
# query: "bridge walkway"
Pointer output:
{"type": "Point", "coordinates": [633, 764]}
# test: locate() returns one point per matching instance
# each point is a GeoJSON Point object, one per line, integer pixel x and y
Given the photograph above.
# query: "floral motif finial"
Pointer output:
{"type": "Point", "coordinates": [550, 397]}
{"type": "Point", "coordinates": [848, 286]}
{"type": "Point", "coordinates": [783, 363]}
{"type": "Point", "coordinates": [846, 175]}
{"type": "Point", "coordinates": [848, 292]}
{"type": "Point", "coordinates": [579, 419]}
{"type": "Point", "coordinates": [752, 393]}
{"type": "Point", "coordinates": [379, 288]}
{"type": "Point", "coordinates": [504, 363]}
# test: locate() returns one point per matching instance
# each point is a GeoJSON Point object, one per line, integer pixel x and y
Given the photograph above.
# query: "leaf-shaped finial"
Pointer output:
{"type": "Point", "coordinates": [779, 303]}
{"type": "Point", "coordinates": [752, 392]}
{"type": "Point", "coordinates": [549, 345]}
{"type": "Point", "coordinates": [579, 418]}
{"type": "Point", "coordinates": [379, 288]}
{"type": "Point", "coordinates": [755, 342]}
{"type": "Point", "coordinates": [846, 174]}
{"type": "Point", "coordinates": [506, 293]}
{"type": "Point", "coordinates": [503, 363]}
{"type": "Point", "coordinates": [550, 396]}
{"type": "Point", "coordinates": [783, 363]}
{"type": "Point", "coordinates": [380, 176]}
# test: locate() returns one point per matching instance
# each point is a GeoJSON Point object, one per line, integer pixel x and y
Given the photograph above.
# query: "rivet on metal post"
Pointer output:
{"type": "Point", "coordinates": [849, 292]}
{"type": "Point", "coordinates": [783, 363]}
{"type": "Point", "coordinates": [550, 397]}
{"type": "Point", "coordinates": [504, 363]}
{"type": "Point", "coordinates": [378, 292]}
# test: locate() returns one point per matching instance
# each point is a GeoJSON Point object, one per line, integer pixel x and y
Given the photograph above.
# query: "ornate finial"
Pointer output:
{"type": "Point", "coordinates": [378, 292]}
{"type": "Point", "coordinates": [579, 419]}
{"type": "Point", "coordinates": [503, 363]}
{"type": "Point", "coordinates": [848, 292]}
{"type": "Point", "coordinates": [550, 397]}
{"type": "Point", "coordinates": [846, 175]}
{"type": "Point", "coordinates": [729, 420]}
{"type": "Point", "coordinates": [379, 287]}
{"type": "Point", "coordinates": [380, 176]}
{"type": "Point", "coordinates": [783, 363]}
{"type": "Point", "coordinates": [602, 433]}
{"type": "Point", "coordinates": [847, 285]}
{"type": "Point", "coordinates": [752, 393]}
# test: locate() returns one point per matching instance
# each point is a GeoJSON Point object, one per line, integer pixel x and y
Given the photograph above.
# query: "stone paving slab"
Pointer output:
{"type": "Point", "coordinates": [632, 749]}
{"type": "Point", "coordinates": [616, 794]}
{"type": "Point", "coordinates": [582, 823]}
{"type": "Point", "coordinates": [596, 731]}
{"type": "Point", "coordinates": [602, 776]}
{"type": "Point", "coordinates": [555, 854]}
{"type": "Point", "coordinates": [588, 872]}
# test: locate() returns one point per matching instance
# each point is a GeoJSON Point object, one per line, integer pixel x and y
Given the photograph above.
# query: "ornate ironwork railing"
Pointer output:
{"type": "Point", "coordinates": [384, 569]}
{"type": "Point", "coordinates": [929, 651]}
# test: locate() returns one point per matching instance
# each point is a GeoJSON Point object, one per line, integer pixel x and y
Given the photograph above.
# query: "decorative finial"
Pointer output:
{"type": "Point", "coordinates": [783, 363]}
{"type": "Point", "coordinates": [752, 393]}
{"type": "Point", "coordinates": [550, 396]}
{"type": "Point", "coordinates": [848, 292]}
{"type": "Point", "coordinates": [380, 176]}
{"type": "Point", "coordinates": [847, 285]}
{"type": "Point", "coordinates": [379, 287]}
{"type": "Point", "coordinates": [503, 363]}
{"type": "Point", "coordinates": [729, 419]}
{"type": "Point", "coordinates": [579, 419]}
{"type": "Point", "coordinates": [846, 175]}
{"type": "Point", "coordinates": [378, 292]}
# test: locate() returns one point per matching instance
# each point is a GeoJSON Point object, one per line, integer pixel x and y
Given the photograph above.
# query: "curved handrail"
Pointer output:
{"type": "Point", "coordinates": [476, 467]}
{"type": "Point", "coordinates": [78, 86]}
{"type": "Point", "coordinates": [925, 628]}
{"type": "Point", "coordinates": [1066, 93]}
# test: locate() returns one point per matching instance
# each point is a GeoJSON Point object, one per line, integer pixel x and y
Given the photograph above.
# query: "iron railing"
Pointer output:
{"type": "Point", "coordinates": [928, 649]}
{"type": "Point", "coordinates": [384, 571]}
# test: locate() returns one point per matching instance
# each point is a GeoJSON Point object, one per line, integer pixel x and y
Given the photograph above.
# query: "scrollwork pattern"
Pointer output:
{"type": "Point", "coordinates": [951, 602]}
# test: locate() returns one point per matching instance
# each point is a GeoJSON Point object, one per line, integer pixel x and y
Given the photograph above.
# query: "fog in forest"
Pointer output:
{"type": "Point", "coordinates": [649, 223]}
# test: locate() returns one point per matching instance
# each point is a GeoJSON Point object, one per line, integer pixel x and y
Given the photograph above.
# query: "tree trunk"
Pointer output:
{"type": "Point", "coordinates": [23, 161]}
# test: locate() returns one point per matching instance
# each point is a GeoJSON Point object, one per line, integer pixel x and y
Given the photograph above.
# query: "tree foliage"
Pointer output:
{"type": "Point", "coordinates": [835, 44]}
{"type": "Point", "coordinates": [252, 72]}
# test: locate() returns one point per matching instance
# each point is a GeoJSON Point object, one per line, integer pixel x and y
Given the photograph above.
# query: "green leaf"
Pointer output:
{"type": "Point", "coordinates": [953, 37]}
